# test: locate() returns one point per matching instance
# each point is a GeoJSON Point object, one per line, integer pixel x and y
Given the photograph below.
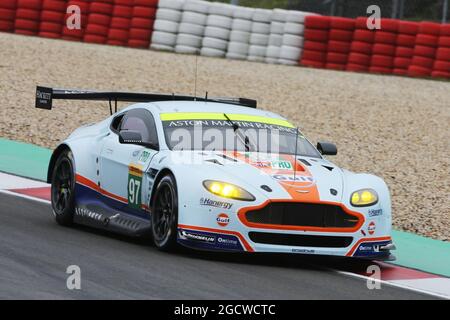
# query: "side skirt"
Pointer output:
{"type": "Point", "coordinates": [96, 210]}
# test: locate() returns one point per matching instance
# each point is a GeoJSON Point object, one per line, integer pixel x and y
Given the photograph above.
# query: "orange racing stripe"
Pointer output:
{"type": "Point", "coordinates": [92, 185]}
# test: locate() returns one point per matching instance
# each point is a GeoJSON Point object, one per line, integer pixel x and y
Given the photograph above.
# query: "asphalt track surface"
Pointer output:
{"type": "Point", "coordinates": [35, 252]}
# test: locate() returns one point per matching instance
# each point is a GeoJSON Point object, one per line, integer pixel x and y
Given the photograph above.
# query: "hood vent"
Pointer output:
{"type": "Point", "coordinates": [329, 168]}
{"type": "Point", "coordinates": [214, 161]}
{"type": "Point", "coordinates": [305, 162]}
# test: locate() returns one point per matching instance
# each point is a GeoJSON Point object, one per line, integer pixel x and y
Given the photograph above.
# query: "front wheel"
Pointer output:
{"type": "Point", "coordinates": [165, 214]}
{"type": "Point", "coordinates": [63, 189]}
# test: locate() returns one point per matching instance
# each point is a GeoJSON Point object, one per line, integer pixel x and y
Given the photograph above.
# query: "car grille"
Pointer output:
{"type": "Point", "coordinates": [302, 215]}
{"type": "Point", "coordinates": [296, 240]}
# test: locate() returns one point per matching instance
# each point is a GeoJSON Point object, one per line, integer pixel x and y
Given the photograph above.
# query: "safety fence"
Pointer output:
{"type": "Point", "coordinates": [223, 30]}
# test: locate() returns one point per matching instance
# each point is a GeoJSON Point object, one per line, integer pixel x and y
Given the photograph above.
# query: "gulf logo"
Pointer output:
{"type": "Point", "coordinates": [223, 220]}
{"type": "Point", "coordinates": [371, 228]}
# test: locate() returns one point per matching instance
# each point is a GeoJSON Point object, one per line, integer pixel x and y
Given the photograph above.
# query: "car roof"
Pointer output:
{"type": "Point", "coordinates": [201, 106]}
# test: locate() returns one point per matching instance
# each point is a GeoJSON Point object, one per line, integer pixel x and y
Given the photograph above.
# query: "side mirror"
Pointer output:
{"type": "Point", "coordinates": [327, 148]}
{"type": "Point", "coordinates": [130, 137]}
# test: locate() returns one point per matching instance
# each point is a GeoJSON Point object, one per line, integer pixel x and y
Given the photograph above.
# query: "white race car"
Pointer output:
{"type": "Point", "coordinates": [213, 174]}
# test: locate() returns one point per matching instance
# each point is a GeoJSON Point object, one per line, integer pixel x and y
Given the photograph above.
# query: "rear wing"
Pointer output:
{"type": "Point", "coordinates": [45, 97]}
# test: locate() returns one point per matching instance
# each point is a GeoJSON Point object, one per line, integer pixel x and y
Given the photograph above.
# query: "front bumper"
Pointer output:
{"type": "Point", "coordinates": [219, 229]}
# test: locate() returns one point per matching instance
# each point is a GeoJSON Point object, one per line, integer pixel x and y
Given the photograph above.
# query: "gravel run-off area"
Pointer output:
{"type": "Point", "coordinates": [394, 127]}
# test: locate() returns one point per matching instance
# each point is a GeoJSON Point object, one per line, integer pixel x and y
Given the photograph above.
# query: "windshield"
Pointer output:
{"type": "Point", "coordinates": [215, 132]}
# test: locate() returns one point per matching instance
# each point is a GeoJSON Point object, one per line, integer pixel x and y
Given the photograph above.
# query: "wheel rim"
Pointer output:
{"type": "Point", "coordinates": [62, 186]}
{"type": "Point", "coordinates": [163, 214]}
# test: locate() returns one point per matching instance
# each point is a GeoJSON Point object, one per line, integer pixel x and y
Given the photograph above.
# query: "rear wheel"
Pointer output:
{"type": "Point", "coordinates": [165, 214]}
{"type": "Point", "coordinates": [63, 189]}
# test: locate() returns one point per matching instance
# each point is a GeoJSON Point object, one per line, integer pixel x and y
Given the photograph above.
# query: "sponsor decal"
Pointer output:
{"type": "Point", "coordinates": [371, 228]}
{"type": "Point", "coordinates": [85, 213]}
{"type": "Point", "coordinates": [370, 249]}
{"type": "Point", "coordinates": [281, 165]}
{"type": "Point", "coordinates": [300, 181]}
{"type": "Point", "coordinates": [290, 178]}
{"type": "Point", "coordinates": [214, 203]}
{"type": "Point", "coordinates": [228, 241]}
{"type": "Point", "coordinates": [275, 165]}
{"type": "Point", "coordinates": [145, 155]}
{"type": "Point", "coordinates": [262, 164]}
{"type": "Point", "coordinates": [209, 240]}
{"type": "Point", "coordinates": [304, 251]}
{"type": "Point", "coordinates": [365, 247]}
{"type": "Point", "coordinates": [375, 212]}
{"type": "Point", "coordinates": [198, 236]}
{"type": "Point", "coordinates": [223, 220]}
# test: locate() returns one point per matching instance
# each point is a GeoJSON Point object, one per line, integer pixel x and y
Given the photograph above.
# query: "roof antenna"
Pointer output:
{"type": "Point", "coordinates": [206, 95]}
{"type": "Point", "coordinates": [195, 81]}
{"type": "Point", "coordinates": [295, 155]}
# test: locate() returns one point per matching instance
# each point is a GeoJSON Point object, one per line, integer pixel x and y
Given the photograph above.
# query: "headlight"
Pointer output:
{"type": "Point", "coordinates": [364, 197]}
{"type": "Point", "coordinates": [227, 190]}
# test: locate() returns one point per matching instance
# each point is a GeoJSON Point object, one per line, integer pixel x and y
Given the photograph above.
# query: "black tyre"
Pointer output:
{"type": "Point", "coordinates": [63, 189]}
{"type": "Point", "coordinates": [165, 214]}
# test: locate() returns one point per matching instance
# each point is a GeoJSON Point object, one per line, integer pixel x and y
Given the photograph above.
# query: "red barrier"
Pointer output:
{"type": "Point", "coordinates": [404, 50]}
{"type": "Point", "coordinates": [339, 43]}
{"type": "Point", "coordinates": [399, 47]}
{"type": "Point", "coordinates": [120, 23]}
{"type": "Point", "coordinates": [7, 15]}
{"type": "Point", "coordinates": [98, 21]}
{"type": "Point", "coordinates": [383, 49]}
{"type": "Point", "coordinates": [360, 47]}
{"type": "Point", "coordinates": [425, 49]}
{"type": "Point", "coordinates": [27, 17]}
{"type": "Point", "coordinates": [141, 26]}
{"type": "Point", "coordinates": [441, 66]}
{"type": "Point", "coordinates": [52, 18]}
{"type": "Point", "coordinates": [316, 41]}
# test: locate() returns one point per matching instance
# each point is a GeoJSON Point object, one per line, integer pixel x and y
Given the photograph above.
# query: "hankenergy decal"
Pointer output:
{"type": "Point", "coordinates": [214, 203]}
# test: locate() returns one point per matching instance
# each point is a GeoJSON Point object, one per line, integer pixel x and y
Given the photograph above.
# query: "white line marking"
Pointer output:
{"type": "Point", "coordinates": [396, 284]}
{"type": "Point", "coordinates": [25, 196]}
{"type": "Point", "coordinates": [8, 181]}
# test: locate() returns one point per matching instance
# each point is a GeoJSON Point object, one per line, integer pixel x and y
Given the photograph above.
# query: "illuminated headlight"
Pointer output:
{"type": "Point", "coordinates": [364, 197]}
{"type": "Point", "coordinates": [227, 190]}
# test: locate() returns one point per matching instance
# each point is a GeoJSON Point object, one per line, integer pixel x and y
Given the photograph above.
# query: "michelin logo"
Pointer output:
{"type": "Point", "coordinates": [197, 237]}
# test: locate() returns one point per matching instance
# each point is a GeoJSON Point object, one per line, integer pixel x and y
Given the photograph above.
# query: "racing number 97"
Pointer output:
{"type": "Point", "coordinates": [134, 190]}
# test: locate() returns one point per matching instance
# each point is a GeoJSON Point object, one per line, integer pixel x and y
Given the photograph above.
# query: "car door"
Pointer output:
{"type": "Point", "coordinates": [123, 165]}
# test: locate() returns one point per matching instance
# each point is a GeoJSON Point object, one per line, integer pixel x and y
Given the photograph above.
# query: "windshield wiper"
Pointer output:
{"type": "Point", "coordinates": [239, 133]}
